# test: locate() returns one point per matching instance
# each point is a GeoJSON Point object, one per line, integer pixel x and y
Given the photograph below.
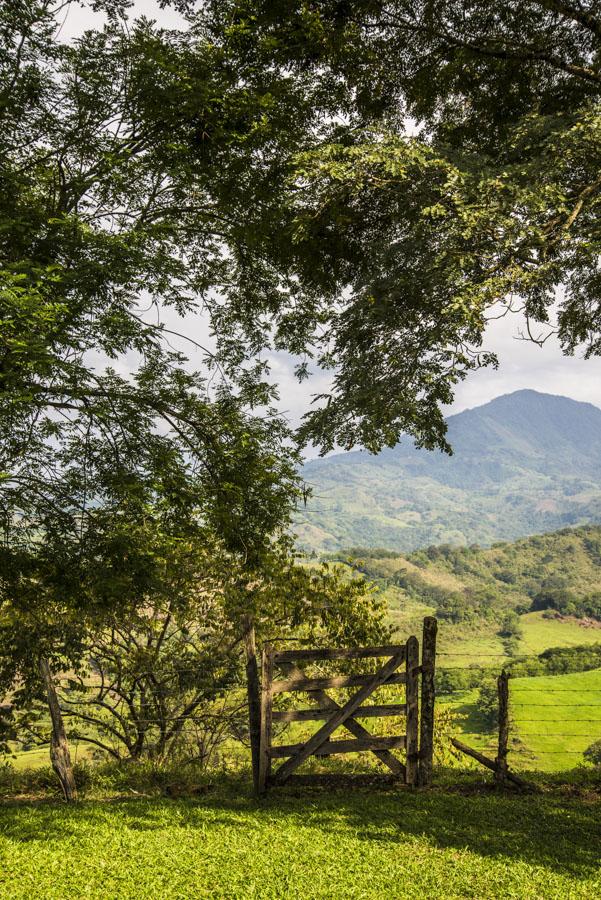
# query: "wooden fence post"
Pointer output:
{"type": "Point", "coordinates": [254, 697]}
{"type": "Point", "coordinates": [412, 657]}
{"type": "Point", "coordinates": [59, 746]}
{"type": "Point", "coordinates": [266, 706]}
{"type": "Point", "coordinates": [501, 760]}
{"type": "Point", "coordinates": [426, 743]}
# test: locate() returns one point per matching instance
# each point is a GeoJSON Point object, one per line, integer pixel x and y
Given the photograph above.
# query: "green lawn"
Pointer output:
{"type": "Point", "coordinates": [446, 844]}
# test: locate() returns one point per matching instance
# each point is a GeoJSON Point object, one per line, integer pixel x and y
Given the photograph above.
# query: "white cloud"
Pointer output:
{"type": "Point", "coordinates": [523, 364]}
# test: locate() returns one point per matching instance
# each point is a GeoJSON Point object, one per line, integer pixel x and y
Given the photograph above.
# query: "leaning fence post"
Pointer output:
{"type": "Point", "coordinates": [254, 696]}
{"type": "Point", "coordinates": [412, 657]}
{"type": "Point", "coordinates": [426, 749]}
{"type": "Point", "coordinates": [501, 760]}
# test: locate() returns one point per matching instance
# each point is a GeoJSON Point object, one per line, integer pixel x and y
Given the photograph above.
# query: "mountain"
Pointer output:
{"type": "Point", "coordinates": [525, 463]}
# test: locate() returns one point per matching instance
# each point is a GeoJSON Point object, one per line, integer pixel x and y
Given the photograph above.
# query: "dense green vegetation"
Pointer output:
{"type": "Point", "coordinates": [460, 183]}
{"type": "Point", "coordinates": [558, 572]}
{"type": "Point", "coordinates": [524, 463]}
{"type": "Point", "coordinates": [303, 845]}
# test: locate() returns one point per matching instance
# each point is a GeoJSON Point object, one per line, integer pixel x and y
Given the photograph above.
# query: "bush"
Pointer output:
{"type": "Point", "coordinates": [488, 702]}
{"type": "Point", "coordinates": [592, 754]}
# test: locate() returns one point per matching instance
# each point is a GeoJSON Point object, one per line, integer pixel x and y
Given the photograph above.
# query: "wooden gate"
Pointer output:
{"type": "Point", "coordinates": [418, 766]}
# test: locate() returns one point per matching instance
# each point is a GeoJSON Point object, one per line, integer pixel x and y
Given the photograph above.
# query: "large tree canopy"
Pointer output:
{"type": "Point", "coordinates": [359, 183]}
{"type": "Point", "coordinates": [122, 166]}
{"type": "Point", "coordinates": [460, 178]}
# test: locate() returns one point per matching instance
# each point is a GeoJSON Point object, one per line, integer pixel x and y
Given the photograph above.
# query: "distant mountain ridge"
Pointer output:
{"type": "Point", "coordinates": [524, 463]}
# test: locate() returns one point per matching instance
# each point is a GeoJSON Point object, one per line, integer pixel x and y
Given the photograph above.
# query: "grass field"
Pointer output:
{"type": "Point", "coordinates": [556, 718]}
{"type": "Point", "coordinates": [441, 844]}
{"type": "Point", "coordinates": [540, 633]}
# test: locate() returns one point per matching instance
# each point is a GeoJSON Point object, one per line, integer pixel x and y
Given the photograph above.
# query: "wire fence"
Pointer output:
{"type": "Point", "coordinates": [556, 740]}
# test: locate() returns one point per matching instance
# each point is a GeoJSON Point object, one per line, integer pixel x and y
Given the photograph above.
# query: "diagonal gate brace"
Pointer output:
{"type": "Point", "coordinates": [355, 728]}
{"type": "Point", "coordinates": [340, 717]}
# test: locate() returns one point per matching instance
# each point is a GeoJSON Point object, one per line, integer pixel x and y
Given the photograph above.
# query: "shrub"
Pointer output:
{"type": "Point", "coordinates": [592, 754]}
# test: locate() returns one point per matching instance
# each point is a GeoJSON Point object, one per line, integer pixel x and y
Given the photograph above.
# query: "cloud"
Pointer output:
{"type": "Point", "coordinates": [523, 364]}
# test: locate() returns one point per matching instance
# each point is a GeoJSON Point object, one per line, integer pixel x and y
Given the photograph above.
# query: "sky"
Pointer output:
{"type": "Point", "coordinates": [521, 364]}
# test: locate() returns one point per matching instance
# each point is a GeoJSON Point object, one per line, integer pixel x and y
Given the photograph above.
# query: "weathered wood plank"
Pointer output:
{"type": "Point", "coordinates": [320, 696]}
{"type": "Point", "coordinates": [324, 712]}
{"type": "Point", "coordinates": [356, 745]}
{"type": "Point", "coordinates": [412, 650]}
{"type": "Point", "coordinates": [333, 681]}
{"type": "Point", "coordinates": [336, 653]}
{"type": "Point", "coordinates": [266, 713]}
{"type": "Point", "coordinates": [491, 764]}
{"type": "Point", "coordinates": [426, 736]}
{"type": "Point", "coordinates": [501, 760]}
{"type": "Point", "coordinates": [323, 733]}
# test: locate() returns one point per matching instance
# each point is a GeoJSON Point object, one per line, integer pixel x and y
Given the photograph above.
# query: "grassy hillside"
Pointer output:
{"type": "Point", "coordinates": [484, 599]}
{"type": "Point", "coordinates": [552, 583]}
{"type": "Point", "coordinates": [524, 463]}
{"type": "Point", "coordinates": [376, 844]}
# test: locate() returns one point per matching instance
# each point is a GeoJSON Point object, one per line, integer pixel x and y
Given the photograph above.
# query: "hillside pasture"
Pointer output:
{"type": "Point", "coordinates": [540, 632]}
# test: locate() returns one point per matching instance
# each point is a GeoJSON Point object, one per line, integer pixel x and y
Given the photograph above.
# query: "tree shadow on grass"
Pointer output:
{"type": "Point", "coordinates": [558, 833]}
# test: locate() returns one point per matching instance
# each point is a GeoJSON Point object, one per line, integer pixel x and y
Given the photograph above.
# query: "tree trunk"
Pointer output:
{"type": "Point", "coordinates": [59, 748]}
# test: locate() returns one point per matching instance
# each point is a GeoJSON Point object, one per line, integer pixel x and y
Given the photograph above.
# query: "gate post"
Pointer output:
{"type": "Point", "coordinates": [266, 707]}
{"type": "Point", "coordinates": [426, 754]}
{"type": "Point", "coordinates": [254, 696]}
{"type": "Point", "coordinates": [501, 760]}
{"type": "Point", "coordinates": [412, 657]}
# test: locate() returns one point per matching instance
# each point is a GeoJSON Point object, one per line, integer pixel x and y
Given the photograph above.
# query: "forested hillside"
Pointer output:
{"type": "Point", "coordinates": [507, 600]}
{"type": "Point", "coordinates": [524, 463]}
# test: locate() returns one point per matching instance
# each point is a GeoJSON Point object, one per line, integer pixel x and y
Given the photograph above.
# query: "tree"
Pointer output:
{"type": "Point", "coordinates": [121, 164]}
{"type": "Point", "coordinates": [459, 181]}
{"type": "Point", "coordinates": [160, 674]}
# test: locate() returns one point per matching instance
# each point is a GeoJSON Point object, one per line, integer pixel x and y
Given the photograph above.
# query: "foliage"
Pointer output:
{"type": "Point", "coordinates": [271, 141]}
{"type": "Point", "coordinates": [459, 181]}
{"type": "Point", "coordinates": [162, 674]}
{"type": "Point", "coordinates": [564, 601]}
{"type": "Point", "coordinates": [104, 214]}
{"type": "Point", "coordinates": [592, 754]}
{"type": "Point", "coordinates": [488, 702]}
{"type": "Point", "coordinates": [446, 722]}
{"type": "Point", "coordinates": [463, 583]}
